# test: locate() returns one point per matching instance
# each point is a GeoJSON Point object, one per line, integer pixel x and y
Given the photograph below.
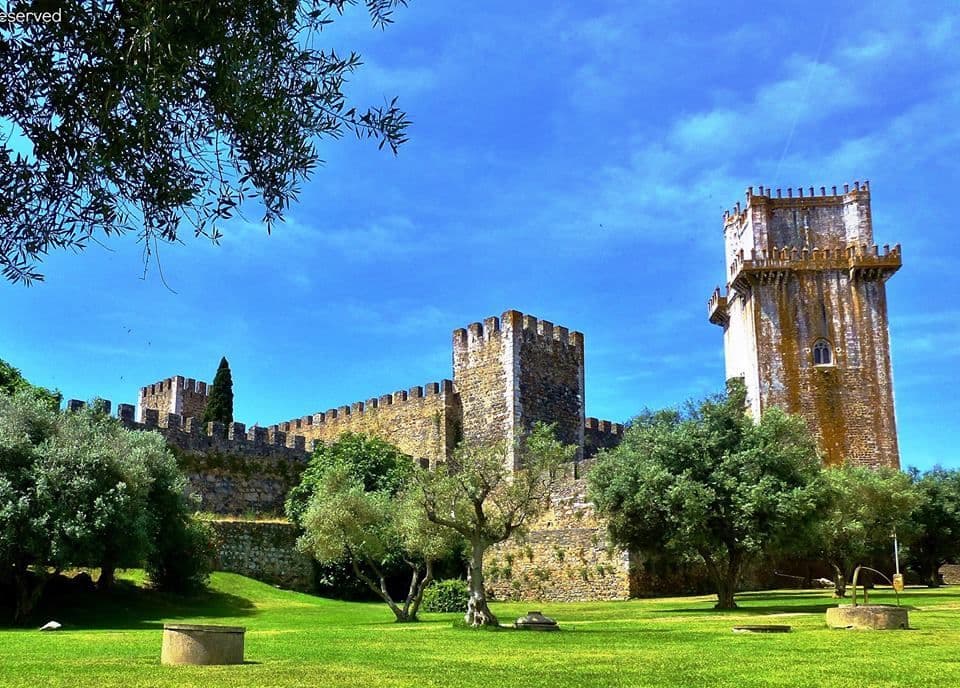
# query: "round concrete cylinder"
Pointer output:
{"type": "Point", "coordinates": [198, 644]}
{"type": "Point", "coordinates": [879, 617]}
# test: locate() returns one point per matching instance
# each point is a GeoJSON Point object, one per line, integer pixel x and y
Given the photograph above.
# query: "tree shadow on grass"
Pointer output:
{"type": "Point", "coordinates": [812, 602]}
{"type": "Point", "coordinates": [129, 606]}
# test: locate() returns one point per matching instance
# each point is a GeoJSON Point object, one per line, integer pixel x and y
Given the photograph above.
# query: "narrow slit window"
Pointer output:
{"type": "Point", "coordinates": [822, 353]}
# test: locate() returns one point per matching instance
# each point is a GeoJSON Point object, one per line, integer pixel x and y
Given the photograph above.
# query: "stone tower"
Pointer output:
{"type": "Point", "coordinates": [179, 395]}
{"type": "Point", "coordinates": [805, 317]}
{"type": "Point", "coordinates": [514, 371]}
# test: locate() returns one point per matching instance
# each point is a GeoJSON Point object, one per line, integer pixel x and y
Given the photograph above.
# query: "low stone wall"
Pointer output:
{"type": "Point", "coordinates": [263, 550]}
{"type": "Point", "coordinates": [950, 573]}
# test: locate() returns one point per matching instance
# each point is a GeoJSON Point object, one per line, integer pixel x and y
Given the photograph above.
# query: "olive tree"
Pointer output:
{"type": "Point", "coordinates": [344, 522]}
{"type": "Point", "coordinates": [936, 516]}
{"type": "Point", "coordinates": [153, 117]}
{"type": "Point", "coordinates": [708, 483]}
{"type": "Point", "coordinates": [866, 506]}
{"type": "Point", "coordinates": [78, 489]}
{"type": "Point", "coordinates": [479, 496]}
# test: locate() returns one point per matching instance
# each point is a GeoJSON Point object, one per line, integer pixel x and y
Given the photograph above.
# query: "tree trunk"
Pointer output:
{"type": "Point", "coordinates": [107, 577]}
{"type": "Point", "coordinates": [478, 613]}
{"type": "Point", "coordinates": [415, 597]}
{"type": "Point", "coordinates": [839, 582]}
{"type": "Point", "coordinates": [380, 590]}
{"type": "Point", "coordinates": [933, 581]}
{"type": "Point", "coordinates": [726, 589]}
{"type": "Point", "coordinates": [27, 594]}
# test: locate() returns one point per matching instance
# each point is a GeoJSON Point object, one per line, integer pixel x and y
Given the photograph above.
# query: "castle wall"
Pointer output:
{"type": "Point", "coordinates": [849, 405]}
{"type": "Point", "coordinates": [263, 550]}
{"type": "Point", "coordinates": [566, 555]}
{"type": "Point", "coordinates": [423, 422]}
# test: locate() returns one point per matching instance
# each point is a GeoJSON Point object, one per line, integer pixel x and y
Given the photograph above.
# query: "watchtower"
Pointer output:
{"type": "Point", "coordinates": [805, 316]}
{"type": "Point", "coordinates": [514, 371]}
{"type": "Point", "coordinates": [183, 396]}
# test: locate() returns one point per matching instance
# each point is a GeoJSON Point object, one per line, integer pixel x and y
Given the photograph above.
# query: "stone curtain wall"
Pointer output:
{"type": "Point", "coordinates": [423, 422]}
{"type": "Point", "coordinates": [565, 557]}
{"type": "Point", "coordinates": [263, 550]}
{"type": "Point", "coordinates": [232, 470]}
{"type": "Point", "coordinates": [600, 434]}
{"type": "Point", "coordinates": [235, 485]}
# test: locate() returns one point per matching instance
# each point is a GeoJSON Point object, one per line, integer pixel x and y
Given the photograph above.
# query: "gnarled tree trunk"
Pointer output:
{"type": "Point", "coordinates": [839, 582]}
{"type": "Point", "coordinates": [478, 613]}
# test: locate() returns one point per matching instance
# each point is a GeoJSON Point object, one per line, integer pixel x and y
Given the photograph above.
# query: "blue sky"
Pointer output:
{"type": "Point", "coordinates": [570, 160]}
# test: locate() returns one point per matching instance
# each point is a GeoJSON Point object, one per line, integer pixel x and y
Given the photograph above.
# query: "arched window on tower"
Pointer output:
{"type": "Point", "coordinates": [822, 353]}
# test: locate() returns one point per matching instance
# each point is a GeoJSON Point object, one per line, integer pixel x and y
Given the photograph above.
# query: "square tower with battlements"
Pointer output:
{"type": "Point", "coordinates": [514, 371]}
{"type": "Point", "coordinates": [804, 316]}
{"type": "Point", "coordinates": [179, 395]}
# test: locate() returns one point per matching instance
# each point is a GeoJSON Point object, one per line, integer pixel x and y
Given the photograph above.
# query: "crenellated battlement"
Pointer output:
{"type": "Point", "coordinates": [796, 198]}
{"type": "Point", "coordinates": [717, 308]}
{"type": "Point", "coordinates": [533, 329]}
{"type": "Point", "coordinates": [192, 434]}
{"type": "Point", "coordinates": [862, 261]}
{"type": "Point", "coordinates": [173, 383]}
{"type": "Point", "coordinates": [180, 395]}
{"type": "Point", "coordinates": [358, 408]}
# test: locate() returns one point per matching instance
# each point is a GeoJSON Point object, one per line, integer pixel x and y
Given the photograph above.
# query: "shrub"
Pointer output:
{"type": "Point", "coordinates": [446, 596]}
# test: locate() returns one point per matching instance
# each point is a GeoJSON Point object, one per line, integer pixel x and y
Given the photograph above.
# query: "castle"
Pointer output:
{"type": "Point", "coordinates": [805, 325]}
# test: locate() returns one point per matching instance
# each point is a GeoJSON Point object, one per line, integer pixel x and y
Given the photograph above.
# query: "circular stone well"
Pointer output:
{"type": "Point", "coordinates": [878, 617]}
{"type": "Point", "coordinates": [201, 644]}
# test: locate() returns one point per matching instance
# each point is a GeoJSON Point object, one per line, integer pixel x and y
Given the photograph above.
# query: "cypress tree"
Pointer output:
{"type": "Point", "coordinates": [220, 396]}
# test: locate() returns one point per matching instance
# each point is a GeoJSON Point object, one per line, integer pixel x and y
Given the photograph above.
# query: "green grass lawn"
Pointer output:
{"type": "Point", "coordinates": [299, 640]}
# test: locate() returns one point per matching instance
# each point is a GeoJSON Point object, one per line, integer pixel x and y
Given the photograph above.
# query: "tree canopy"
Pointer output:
{"type": "Point", "coordinates": [708, 483]}
{"type": "Point", "coordinates": [150, 117]}
{"type": "Point", "coordinates": [936, 515]}
{"type": "Point", "coordinates": [479, 496]}
{"type": "Point", "coordinates": [353, 510]}
{"type": "Point", "coordinates": [866, 506]}
{"type": "Point", "coordinates": [78, 489]}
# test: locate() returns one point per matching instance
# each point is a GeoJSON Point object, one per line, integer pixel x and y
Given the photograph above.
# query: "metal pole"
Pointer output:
{"type": "Point", "coordinates": [896, 553]}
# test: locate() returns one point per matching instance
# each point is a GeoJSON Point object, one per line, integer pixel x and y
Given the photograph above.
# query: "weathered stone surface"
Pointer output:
{"type": "Point", "coordinates": [202, 644]}
{"type": "Point", "coordinates": [877, 617]}
{"type": "Point", "coordinates": [950, 574]}
{"type": "Point", "coordinates": [565, 557]}
{"type": "Point", "coordinates": [263, 550]}
{"type": "Point", "coordinates": [535, 621]}
{"type": "Point", "coordinates": [803, 270]}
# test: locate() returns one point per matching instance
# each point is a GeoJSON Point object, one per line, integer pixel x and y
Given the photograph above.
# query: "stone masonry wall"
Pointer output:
{"type": "Point", "coordinates": [423, 422]}
{"type": "Point", "coordinates": [513, 371]}
{"type": "Point", "coordinates": [566, 556]}
{"type": "Point", "coordinates": [263, 550]}
{"type": "Point", "coordinates": [550, 379]}
{"type": "Point", "coordinates": [484, 368]}
{"type": "Point", "coordinates": [231, 469]}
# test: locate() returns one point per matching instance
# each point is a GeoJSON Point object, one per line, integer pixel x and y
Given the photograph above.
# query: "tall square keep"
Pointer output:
{"type": "Point", "coordinates": [804, 316]}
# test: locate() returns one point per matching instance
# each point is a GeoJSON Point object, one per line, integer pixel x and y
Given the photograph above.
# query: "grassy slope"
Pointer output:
{"type": "Point", "coordinates": [298, 640]}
